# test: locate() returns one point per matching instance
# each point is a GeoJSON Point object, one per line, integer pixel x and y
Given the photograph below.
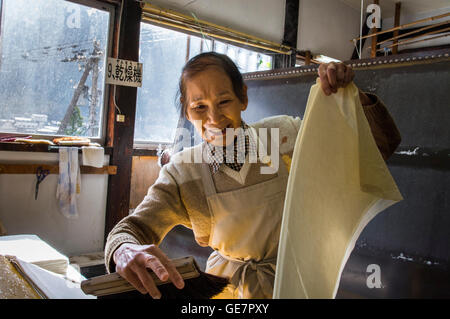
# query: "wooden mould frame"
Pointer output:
{"type": "Point", "coordinates": [372, 63]}
{"type": "Point", "coordinates": [424, 156]}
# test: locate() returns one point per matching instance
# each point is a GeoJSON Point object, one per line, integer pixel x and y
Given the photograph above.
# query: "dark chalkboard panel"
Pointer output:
{"type": "Point", "coordinates": [276, 97]}
{"type": "Point", "coordinates": [412, 238]}
{"type": "Point", "coordinates": [417, 95]}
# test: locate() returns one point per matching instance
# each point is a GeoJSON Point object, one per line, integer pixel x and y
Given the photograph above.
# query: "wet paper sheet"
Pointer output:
{"type": "Point", "coordinates": [338, 182]}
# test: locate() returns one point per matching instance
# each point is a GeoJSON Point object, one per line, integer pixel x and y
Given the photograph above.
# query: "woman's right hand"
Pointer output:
{"type": "Point", "coordinates": [133, 260]}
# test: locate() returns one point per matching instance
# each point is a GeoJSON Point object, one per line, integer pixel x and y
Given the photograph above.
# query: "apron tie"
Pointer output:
{"type": "Point", "coordinates": [265, 273]}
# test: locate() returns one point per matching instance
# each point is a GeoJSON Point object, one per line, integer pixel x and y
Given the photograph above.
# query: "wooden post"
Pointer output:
{"type": "Point", "coordinates": [75, 97]}
{"type": "Point", "coordinates": [1, 23]}
{"type": "Point", "coordinates": [307, 57]}
{"type": "Point", "coordinates": [121, 134]}
{"type": "Point", "coordinates": [291, 28]}
{"type": "Point", "coordinates": [289, 36]}
{"type": "Point", "coordinates": [374, 39]}
{"type": "Point", "coordinates": [398, 6]}
{"type": "Point", "coordinates": [188, 47]}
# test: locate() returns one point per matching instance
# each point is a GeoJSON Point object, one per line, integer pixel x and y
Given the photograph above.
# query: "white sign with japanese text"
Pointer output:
{"type": "Point", "coordinates": [124, 72]}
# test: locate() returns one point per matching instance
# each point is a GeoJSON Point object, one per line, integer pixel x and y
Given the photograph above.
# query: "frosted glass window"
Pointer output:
{"type": "Point", "coordinates": [164, 53]}
{"type": "Point", "coordinates": [52, 57]}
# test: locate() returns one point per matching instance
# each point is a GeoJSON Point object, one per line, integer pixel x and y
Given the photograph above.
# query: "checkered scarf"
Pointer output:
{"type": "Point", "coordinates": [233, 158]}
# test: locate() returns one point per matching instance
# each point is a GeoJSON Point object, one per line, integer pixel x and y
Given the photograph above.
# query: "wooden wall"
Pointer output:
{"type": "Point", "coordinates": [144, 173]}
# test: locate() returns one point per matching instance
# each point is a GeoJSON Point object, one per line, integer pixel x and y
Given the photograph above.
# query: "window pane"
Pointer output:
{"type": "Point", "coordinates": [198, 45]}
{"type": "Point", "coordinates": [220, 47]}
{"type": "Point", "coordinates": [246, 60]}
{"type": "Point", "coordinates": [164, 53]}
{"type": "Point", "coordinates": [46, 48]}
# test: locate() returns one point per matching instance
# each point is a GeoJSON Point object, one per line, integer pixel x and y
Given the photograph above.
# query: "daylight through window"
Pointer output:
{"type": "Point", "coordinates": [163, 53]}
{"type": "Point", "coordinates": [52, 57]}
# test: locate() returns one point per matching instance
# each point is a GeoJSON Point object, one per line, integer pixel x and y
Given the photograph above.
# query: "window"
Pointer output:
{"type": "Point", "coordinates": [52, 57]}
{"type": "Point", "coordinates": [164, 53]}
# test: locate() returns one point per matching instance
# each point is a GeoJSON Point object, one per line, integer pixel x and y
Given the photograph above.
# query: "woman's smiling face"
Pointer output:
{"type": "Point", "coordinates": [212, 105]}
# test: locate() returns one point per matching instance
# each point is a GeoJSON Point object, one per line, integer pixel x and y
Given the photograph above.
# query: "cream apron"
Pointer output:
{"type": "Point", "coordinates": [245, 231]}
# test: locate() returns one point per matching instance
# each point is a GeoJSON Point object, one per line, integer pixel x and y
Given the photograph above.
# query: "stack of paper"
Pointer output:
{"type": "Point", "coordinates": [22, 280]}
{"type": "Point", "coordinates": [32, 249]}
{"type": "Point", "coordinates": [12, 283]}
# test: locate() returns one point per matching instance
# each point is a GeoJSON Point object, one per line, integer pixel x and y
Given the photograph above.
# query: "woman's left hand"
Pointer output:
{"type": "Point", "coordinates": [334, 76]}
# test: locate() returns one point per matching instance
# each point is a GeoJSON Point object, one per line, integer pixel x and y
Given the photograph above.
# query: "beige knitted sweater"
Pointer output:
{"type": "Point", "coordinates": [177, 197]}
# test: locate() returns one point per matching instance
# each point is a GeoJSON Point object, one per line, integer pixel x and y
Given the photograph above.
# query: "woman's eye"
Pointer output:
{"type": "Point", "coordinates": [224, 102]}
{"type": "Point", "coordinates": [200, 107]}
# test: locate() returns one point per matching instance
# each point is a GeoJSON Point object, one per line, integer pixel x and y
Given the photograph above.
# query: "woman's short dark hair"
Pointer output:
{"type": "Point", "coordinates": [200, 63]}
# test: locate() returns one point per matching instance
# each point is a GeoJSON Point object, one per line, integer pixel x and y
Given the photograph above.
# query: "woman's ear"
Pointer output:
{"type": "Point", "coordinates": [244, 93]}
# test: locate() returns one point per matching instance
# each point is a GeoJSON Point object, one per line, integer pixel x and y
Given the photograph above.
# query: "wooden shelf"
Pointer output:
{"type": "Point", "coordinates": [24, 147]}
{"type": "Point", "coordinates": [53, 169]}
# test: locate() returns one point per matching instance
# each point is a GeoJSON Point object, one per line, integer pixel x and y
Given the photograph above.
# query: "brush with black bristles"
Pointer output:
{"type": "Point", "coordinates": [197, 284]}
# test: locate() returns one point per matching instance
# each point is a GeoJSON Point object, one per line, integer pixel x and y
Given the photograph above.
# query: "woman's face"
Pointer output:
{"type": "Point", "coordinates": [212, 105]}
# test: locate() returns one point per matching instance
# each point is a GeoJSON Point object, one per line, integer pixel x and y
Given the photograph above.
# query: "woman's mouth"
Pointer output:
{"type": "Point", "coordinates": [218, 131]}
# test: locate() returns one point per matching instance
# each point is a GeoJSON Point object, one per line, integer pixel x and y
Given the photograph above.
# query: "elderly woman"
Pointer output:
{"type": "Point", "coordinates": [230, 205]}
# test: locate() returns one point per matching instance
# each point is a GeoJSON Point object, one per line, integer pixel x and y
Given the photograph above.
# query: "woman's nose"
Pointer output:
{"type": "Point", "coordinates": [214, 115]}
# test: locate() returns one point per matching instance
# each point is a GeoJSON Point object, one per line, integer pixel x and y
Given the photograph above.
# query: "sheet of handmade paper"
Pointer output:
{"type": "Point", "coordinates": [338, 182]}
